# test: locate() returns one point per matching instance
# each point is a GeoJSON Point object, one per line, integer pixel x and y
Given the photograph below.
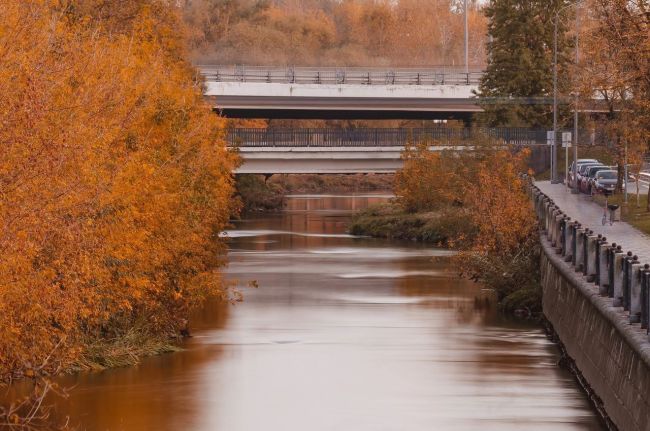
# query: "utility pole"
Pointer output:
{"type": "Point", "coordinates": [575, 107]}
{"type": "Point", "coordinates": [466, 40]}
{"type": "Point", "coordinates": [554, 175]}
{"type": "Point", "coordinates": [553, 147]}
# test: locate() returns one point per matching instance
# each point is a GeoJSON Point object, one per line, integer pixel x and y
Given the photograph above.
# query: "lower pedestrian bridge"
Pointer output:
{"type": "Point", "coordinates": [360, 150]}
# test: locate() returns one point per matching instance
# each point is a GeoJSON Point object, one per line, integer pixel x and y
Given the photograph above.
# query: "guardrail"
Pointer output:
{"type": "Point", "coordinates": [378, 137]}
{"type": "Point", "coordinates": [339, 76]}
{"type": "Point", "coordinates": [618, 275]}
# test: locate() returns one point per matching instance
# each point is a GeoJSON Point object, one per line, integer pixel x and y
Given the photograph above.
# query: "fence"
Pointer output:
{"type": "Point", "coordinates": [619, 276]}
{"type": "Point", "coordinates": [333, 75]}
{"type": "Point", "coordinates": [379, 137]}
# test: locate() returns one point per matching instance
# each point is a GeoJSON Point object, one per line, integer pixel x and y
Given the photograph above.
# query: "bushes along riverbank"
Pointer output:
{"type": "Point", "coordinates": [474, 202]}
{"type": "Point", "coordinates": [115, 184]}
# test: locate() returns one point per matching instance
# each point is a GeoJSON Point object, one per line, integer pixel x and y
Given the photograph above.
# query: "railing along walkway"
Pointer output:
{"type": "Point", "coordinates": [612, 257]}
{"type": "Point", "coordinates": [379, 137]}
{"type": "Point", "coordinates": [340, 75]}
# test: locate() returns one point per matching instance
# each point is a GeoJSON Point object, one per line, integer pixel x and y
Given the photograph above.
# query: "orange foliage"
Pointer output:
{"type": "Point", "coordinates": [335, 33]}
{"type": "Point", "coordinates": [483, 183]}
{"type": "Point", "coordinates": [499, 206]}
{"type": "Point", "coordinates": [429, 180]}
{"type": "Point", "coordinates": [114, 178]}
{"type": "Point", "coordinates": [481, 186]}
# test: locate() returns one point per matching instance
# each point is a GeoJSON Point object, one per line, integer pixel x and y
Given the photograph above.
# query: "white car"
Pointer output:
{"type": "Point", "coordinates": [580, 162]}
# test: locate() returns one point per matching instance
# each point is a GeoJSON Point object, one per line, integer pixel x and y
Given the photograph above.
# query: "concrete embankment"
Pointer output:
{"type": "Point", "coordinates": [597, 298]}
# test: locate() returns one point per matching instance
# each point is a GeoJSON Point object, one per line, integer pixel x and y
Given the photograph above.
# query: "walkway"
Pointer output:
{"type": "Point", "coordinates": [581, 208]}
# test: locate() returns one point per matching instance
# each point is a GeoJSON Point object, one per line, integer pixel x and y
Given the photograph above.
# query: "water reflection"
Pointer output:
{"type": "Point", "coordinates": [345, 333]}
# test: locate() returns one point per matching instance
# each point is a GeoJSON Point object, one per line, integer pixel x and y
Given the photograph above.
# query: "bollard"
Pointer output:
{"type": "Point", "coordinates": [574, 242]}
{"type": "Point", "coordinates": [627, 281]}
{"type": "Point", "coordinates": [645, 296]}
{"type": "Point", "coordinates": [568, 257]}
{"type": "Point", "coordinates": [617, 268]}
{"type": "Point", "coordinates": [550, 216]}
{"type": "Point", "coordinates": [557, 230]}
{"type": "Point", "coordinates": [603, 257]}
{"type": "Point", "coordinates": [580, 249]}
{"type": "Point", "coordinates": [591, 256]}
{"type": "Point", "coordinates": [599, 241]}
{"type": "Point", "coordinates": [562, 235]}
{"type": "Point", "coordinates": [551, 225]}
{"type": "Point", "coordinates": [585, 249]}
{"type": "Point", "coordinates": [610, 269]}
{"type": "Point", "coordinates": [635, 289]}
{"type": "Point", "coordinates": [566, 236]}
{"type": "Point", "coordinates": [538, 206]}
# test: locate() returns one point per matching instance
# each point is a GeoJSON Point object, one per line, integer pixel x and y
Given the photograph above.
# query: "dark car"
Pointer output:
{"type": "Point", "coordinates": [585, 185]}
{"type": "Point", "coordinates": [605, 181]}
{"type": "Point", "coordinates": [582, 169]}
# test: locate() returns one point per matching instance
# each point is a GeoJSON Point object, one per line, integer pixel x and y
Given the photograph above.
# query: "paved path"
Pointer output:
{"type": "Point", "coordinates": [581, 208]}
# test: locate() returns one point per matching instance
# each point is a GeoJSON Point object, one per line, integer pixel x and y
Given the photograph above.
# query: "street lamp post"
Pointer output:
{"type": "Point", "coordinates": [575, 108]}
{"type": "Point", "coordinates": [466, 40]}
{"type": "Point", "coordinates": [554, 141]}
{"type": "Point", "coordinates": [554, 173]}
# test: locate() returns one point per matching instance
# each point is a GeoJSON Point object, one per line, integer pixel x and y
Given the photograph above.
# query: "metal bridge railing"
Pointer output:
{"type": "Point", "coordinates": [378, 137]}
{"type": "Point", "coordinates": [333, 75]}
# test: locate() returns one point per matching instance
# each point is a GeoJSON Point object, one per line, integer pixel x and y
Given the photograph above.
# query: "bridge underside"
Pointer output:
{"type": "Point", "coordinates": [320, 160]}
{"type": "Point", "coordinates": [345, 108]}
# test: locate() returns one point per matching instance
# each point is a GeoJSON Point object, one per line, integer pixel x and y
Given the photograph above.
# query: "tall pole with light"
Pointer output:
{"type": "Point", "coordinates": [466, 40]}
{"type": "Point", "coordinates": [554, 140]}
{"type": "Point", "coordinates": [554, 174]}
{"type": "Point", "coordinates": [575, 106]}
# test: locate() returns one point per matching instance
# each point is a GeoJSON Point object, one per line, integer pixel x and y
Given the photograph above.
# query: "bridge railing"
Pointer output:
{"type": "Point", "coordinates": [378, 137]}
{"type": "Point", "coordinates": [334, 75]}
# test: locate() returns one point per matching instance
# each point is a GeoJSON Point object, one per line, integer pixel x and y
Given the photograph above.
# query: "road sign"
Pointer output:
{"type": "Point", "coordinates": [566, 139]}
{"type": "Point", "coordinates": [550, 137]}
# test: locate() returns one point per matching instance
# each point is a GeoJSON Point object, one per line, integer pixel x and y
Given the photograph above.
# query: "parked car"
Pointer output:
{"type": "Point", "coordinates": [605, 181]}
{"type": "Point", "coordinates": [572, 168]}
{"type": "Point", "coordinates": [582, 169]}
{"type": "Point", "coordinates": [589, 175]}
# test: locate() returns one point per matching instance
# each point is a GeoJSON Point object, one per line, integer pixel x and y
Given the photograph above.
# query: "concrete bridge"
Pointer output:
{"type": "Point", "coordinates": [342, 93]}
{"type": "Point", "coordinates": [341, 151]}
{"type": "Point", "coordinates": [443, 93]}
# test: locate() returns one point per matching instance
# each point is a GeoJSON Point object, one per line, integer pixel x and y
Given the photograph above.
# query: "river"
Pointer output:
{"type": "Point", "coordinates": [343, 333]}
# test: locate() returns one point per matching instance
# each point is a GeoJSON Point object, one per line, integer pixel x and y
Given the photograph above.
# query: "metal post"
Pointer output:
{"type": "Point", "coordinates": [466, 42]}
{"type": "Point", "coordinates": [553, 147]}
{"type": "Point", "coordinates": [575, 109]}
{"type": "Point", "coordinates": [566, 166]}
{"type": "Point", "coordinates": [625, 174]}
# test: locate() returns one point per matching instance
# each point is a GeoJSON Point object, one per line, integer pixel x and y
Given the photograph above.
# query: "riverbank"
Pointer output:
{"type": "Point", "coordinates": [515, 279]}
{"type": "Point", "coordinates": [260, 193]}
{"type": "Point", "coordinates": [442, 228]}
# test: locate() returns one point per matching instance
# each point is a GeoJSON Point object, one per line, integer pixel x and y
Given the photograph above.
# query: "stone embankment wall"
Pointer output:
{"type": "Point", "coordinates": [597, 298]}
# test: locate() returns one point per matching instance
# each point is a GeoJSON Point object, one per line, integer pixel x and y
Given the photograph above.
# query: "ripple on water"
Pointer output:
{"type": "Point", "coordinates": [267, 232]}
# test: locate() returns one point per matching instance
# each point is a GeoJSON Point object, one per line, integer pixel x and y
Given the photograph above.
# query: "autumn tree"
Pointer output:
{"type": "Point", "coordinates": [615, 73]}
{"type": "Point", "coordinates": [499, 241]}
{"type": "Point", "coordinates": [114, 181]}
{"type": "Point", "coordinates": [518, 80]}
{"type": "Point", "coordinates": [334, 33]}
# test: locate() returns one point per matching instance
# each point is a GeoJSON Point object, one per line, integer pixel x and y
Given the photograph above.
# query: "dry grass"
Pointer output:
{"type": "Point", "coordinates": [633, 213]}
{"type": "Point", "coordinates": [126, 350]}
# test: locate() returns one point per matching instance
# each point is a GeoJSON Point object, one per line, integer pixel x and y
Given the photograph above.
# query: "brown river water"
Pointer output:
{"type": "Point", "coordinates": [343, 333]}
